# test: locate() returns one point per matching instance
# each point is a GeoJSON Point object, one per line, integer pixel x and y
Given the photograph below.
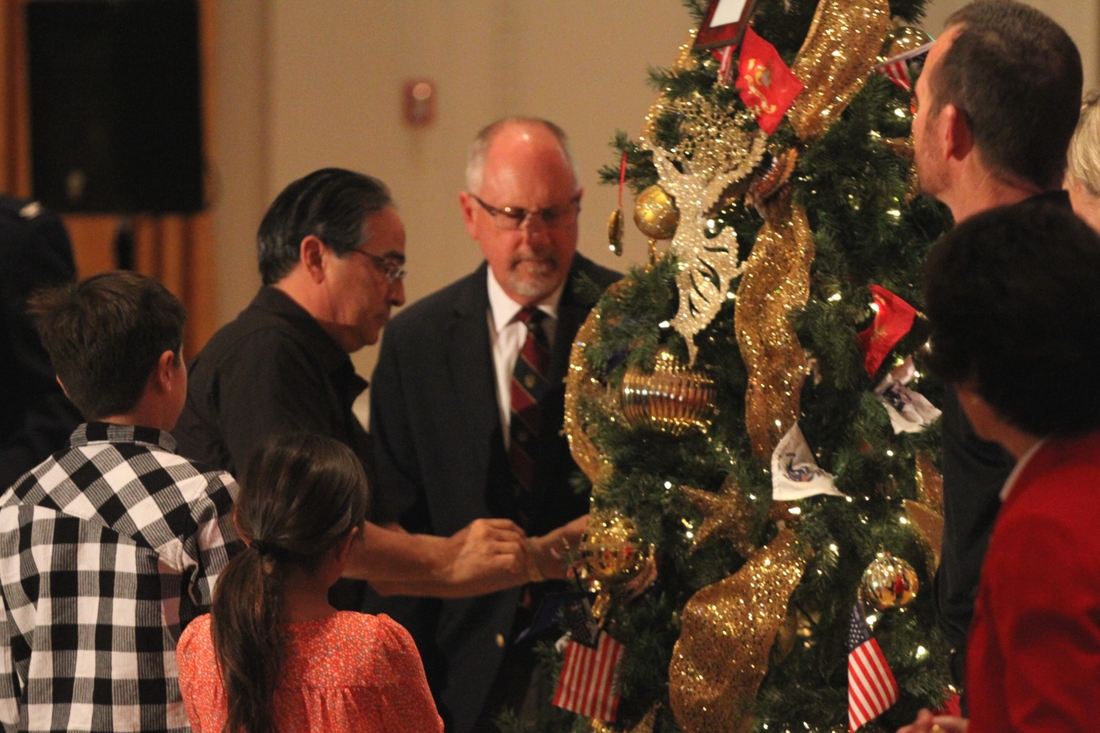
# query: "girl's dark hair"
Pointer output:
{"type": "Point", "coordinates": [300, 495]}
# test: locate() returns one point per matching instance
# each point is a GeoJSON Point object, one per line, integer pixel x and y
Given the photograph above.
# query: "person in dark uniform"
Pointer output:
{"type": "Point", "coordinates": [36, 418]}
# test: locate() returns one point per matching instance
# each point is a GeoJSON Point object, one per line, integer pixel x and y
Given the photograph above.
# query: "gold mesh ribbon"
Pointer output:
{"type": "Point", "coordinates": [581, 384]}
{"type": "Point", "coordinates": [835, 60]}
{"type": "Point", "coordinates": [929, 482]}
{"type": "Point", "coordinates": [926, 514]}
{"type": "Point", "coordinates": [728, 630]}
{"type": "Point", "coordinates": [776, 282]}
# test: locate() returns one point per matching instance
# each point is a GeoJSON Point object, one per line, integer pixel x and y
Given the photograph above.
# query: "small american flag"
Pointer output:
{"type": "Point", "coordinates": [588, 684]}
{"type": "Point", "coordinates": [904, 67]}
{"type": "Point", "coordinates": [872, 688]}
{"type": "Point", "coordinates": [898, 72]}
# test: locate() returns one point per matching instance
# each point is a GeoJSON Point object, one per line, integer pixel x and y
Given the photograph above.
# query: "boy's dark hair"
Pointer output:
{"type": "Point", "coordinates": [1011, 295]}
{"type": "Point", "coordinates": [301, 495]}
{"type": "Point", "coordinates": [1016, 76]}
{"type": "Point", "coordinates": [332, 204]}
{"type": "Point", "coordinates": [105, 335]}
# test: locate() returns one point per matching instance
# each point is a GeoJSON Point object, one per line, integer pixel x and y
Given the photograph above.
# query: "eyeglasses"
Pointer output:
{"type": "Point", "coordinates": [394, 270]}
{"type": "Point", "coordinates": [553, 217]}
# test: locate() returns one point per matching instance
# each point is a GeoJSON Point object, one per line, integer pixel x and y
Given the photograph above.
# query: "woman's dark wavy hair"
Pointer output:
{"type": "Point", "coordinates": [301, 494]}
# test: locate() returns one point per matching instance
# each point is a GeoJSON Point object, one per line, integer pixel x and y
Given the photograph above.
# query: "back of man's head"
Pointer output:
{"type": "Point", "coordinates": [1011, 295]}
{"type": "Point", "coordinates": [331, 204]}
{"type": "Point", "coordinates": [1016, 76]}
{"type": "Point", "coordinates": [105, 335]}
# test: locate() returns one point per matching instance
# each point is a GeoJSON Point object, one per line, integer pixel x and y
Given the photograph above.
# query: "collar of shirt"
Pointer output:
{"type": "Point", "coordinates": [104, 432]}
{"type": "Point", "coordinates": [1019, 468]}
{"type": "Point", "coordinates": [331, 357]}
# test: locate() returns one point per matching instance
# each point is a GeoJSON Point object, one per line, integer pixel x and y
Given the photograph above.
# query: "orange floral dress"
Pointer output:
{"type": "Point", "coordinates": [347, 672]}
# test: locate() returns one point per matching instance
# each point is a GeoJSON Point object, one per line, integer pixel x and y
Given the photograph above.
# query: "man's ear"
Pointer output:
{"type": "Point", "coordinates": [311, 253]}
{"type": "Point", "coordinates": [63, 387]}
{"type": "Point", "coordinates": [469, 209]}
{"type": "Point", "coordinates": [958, 140]}
{"type": "Point", "coordinates": [165, 371]}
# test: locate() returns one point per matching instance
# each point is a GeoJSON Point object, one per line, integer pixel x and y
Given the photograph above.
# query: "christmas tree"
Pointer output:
{"type": "Point", "coordinates": [748, 408]}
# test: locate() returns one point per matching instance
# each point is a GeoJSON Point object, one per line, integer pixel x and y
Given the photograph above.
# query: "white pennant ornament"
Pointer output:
{"type": "Point", "coordinates": [910, 412]}
{"type": "Point", "coordinates": [795, 473]}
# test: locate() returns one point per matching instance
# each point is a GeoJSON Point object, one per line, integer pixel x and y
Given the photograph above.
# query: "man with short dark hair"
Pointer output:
{"type": "Point", "coordinates": [1010, 296]}
{"type": "Point", "coordinates": [331, 253]}
{"type": "Point", "coordinates": [997, 103]}
{"type": "Point", "coordinates": [112, 546]}
{"type": "Point", "coordinates": [467, 407]}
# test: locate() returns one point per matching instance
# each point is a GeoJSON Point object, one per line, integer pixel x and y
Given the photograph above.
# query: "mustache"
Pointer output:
{"type": "Point", "coordinates": [549, 259]}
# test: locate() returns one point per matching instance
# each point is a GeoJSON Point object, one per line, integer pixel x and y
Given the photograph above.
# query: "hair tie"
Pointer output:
{"type": "Point", "coordinates": [261, 547]}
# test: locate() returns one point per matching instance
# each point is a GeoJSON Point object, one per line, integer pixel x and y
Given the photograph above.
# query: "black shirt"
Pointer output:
{"type": "Point", "coordinates": [271, 371]}
{"type": "Point", "coordinates": [974, 471]}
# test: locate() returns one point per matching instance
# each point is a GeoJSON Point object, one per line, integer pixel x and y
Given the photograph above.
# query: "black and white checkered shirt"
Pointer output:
{"type": "Point", "coordinates": [107, 550]}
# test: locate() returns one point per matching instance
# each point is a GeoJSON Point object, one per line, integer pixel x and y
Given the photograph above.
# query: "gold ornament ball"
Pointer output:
{"type": "Point", "coordinates": [888, 582]}
{"type": "Point", "coordinates": [900, 40]}
{"type": "Point", "coordinates": [656, 214]}
{"type": "Point", "coordinates": [612, 549]}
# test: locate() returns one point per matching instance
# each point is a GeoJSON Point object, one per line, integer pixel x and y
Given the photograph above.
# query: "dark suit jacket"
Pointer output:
{"type": "Point", "coordinates": [440, 451]}
{"type": "Point", "coordinates": [36, 419]}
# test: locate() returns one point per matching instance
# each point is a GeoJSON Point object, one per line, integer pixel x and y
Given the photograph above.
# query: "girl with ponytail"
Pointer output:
{"type": "Point", "coordinates": [273, 656]}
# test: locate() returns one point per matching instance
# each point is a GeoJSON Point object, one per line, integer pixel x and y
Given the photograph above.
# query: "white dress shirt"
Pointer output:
{"type": "Point", "coordinates": [506, 335]}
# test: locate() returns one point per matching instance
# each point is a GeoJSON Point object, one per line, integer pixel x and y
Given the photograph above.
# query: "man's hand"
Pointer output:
{"type": "Point", "coordinates": [927, 723]}
{"type": "Point", "coordinates": [548, 554]}
{"type": "Point", "coordinates": [486, 556]}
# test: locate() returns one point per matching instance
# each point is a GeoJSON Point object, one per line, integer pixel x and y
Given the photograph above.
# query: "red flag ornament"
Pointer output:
{"type": "Point", "coordinates": [768, 87]}
{"type": "Point", "coordinates": [893, 319]}
{"type": "Point", "coordinates": [588, 684]}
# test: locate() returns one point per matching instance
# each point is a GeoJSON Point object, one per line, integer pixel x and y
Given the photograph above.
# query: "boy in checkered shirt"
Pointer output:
{"type": "Point", "coordinates": [111, 546]}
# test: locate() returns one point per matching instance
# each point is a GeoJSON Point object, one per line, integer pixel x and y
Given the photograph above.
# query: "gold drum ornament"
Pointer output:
{"type": "Point", "coordinates": [670, 398]}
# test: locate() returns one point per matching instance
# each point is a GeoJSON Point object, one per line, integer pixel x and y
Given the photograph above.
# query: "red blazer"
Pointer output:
{"type": "Point", "coordinates": [1033, 662]}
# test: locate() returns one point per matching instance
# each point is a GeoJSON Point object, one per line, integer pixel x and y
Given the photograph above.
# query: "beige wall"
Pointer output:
{"type": "Point", "coordinates": [1080, 18]}
{"type": "Point", "coordinates": [301, 85]}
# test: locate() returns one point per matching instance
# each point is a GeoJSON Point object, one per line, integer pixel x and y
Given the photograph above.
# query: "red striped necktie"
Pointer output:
{"type": "Point", "coordinates": [527, 389]}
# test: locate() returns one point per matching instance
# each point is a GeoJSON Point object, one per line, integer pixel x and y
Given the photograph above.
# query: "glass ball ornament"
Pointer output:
{"type": "Point", "coordinates": [612, 549]}
{"type": "Point", "coordinates": [888, 582]}
{"type": "Point", "coordinates": [655, 213]}
{"type": "Point", "coordinates": [902, 39]}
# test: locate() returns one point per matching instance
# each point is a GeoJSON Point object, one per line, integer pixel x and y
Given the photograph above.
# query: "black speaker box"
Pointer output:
{"type": "Point", "coordinates": [115, 98]}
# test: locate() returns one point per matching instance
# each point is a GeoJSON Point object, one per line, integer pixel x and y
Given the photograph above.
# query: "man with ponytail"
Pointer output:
{"type": "Point", "coordinates": [110, 547]}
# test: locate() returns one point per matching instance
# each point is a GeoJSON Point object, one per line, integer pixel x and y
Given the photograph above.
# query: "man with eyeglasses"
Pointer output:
{"type": "Point", "coordinates": [331, 255]}
{"type": "Point", "coordinates": [467, 408]}
{"type": "Point", "coordinates": [994, 111]}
